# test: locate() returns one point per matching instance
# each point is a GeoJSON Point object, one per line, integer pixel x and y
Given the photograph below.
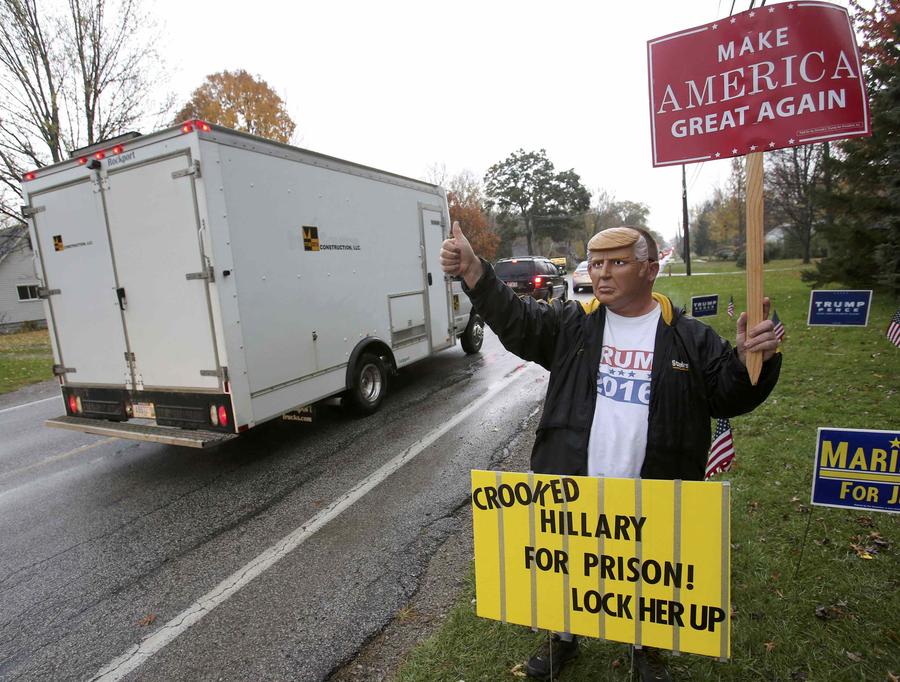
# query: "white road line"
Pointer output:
{"type": "Point", "coordinates": [34, 402]}
{"type": "Point", "coordinates": [153, 643]}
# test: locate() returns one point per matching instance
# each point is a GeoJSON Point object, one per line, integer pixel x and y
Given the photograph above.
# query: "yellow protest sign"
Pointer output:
{"type": "Point", "coordinates": [638, 561]}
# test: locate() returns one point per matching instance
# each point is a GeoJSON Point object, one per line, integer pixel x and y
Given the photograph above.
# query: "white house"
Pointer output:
{"type": "Point", "coordinates": [19, 302]}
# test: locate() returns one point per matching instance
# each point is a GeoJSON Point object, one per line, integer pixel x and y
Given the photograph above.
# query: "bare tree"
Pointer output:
{"type": "Point", "coordinates": [793, 184]}
{"type": "Point", "coordinates": [70, 75]}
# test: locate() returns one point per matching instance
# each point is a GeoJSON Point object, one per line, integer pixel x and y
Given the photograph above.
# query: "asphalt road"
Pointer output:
{"type": "Point", "coordinates": [105, 542]}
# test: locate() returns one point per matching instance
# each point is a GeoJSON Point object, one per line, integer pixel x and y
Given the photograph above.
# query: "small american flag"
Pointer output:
{"type": "Point", "coordinates": [779, 328]}
{"type": "Point", "coordinates": [893, 330]}
{"type": "Point", "coordinates": [731, 307]}
{"type": "Point", "coordinates": [721, 453]}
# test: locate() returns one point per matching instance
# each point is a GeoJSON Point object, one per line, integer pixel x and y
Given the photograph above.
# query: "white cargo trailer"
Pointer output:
{"type": "Point", "coordinates": [199, 281]}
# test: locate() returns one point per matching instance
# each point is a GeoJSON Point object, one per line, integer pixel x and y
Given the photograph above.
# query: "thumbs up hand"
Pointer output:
{"type": "Point", "coordinates": [458, 259]}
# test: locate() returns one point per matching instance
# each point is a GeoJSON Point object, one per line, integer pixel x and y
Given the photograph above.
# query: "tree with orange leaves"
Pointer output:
{"type": "Point", "coordinates": [474, 224]}
{"type": "Point", "coordinates": [237, 100]}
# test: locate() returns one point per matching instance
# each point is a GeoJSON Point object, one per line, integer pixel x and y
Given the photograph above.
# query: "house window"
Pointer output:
{"type": "Point", "coordinates": [28, 292]}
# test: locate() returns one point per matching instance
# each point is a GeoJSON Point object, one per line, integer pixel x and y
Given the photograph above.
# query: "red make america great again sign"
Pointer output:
{"type": "Point", "coordinates": [778, 76]}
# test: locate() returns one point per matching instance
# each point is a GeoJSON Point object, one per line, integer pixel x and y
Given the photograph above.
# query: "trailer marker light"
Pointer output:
{"type": "Point", "coordinates": [223, 416]}
{"type": "Point", "coordinates": [82, 160]}
{"type": "Point", "coordinates": [187, 128]}
{"type": "Point", "coordinates": [203, 125]}
{"type": "Point", "coordinates": [117, 149]}
{"type": "Point", "coordinates": [30, 176]}
{"type": "Point", "coordinates": [100, 155]}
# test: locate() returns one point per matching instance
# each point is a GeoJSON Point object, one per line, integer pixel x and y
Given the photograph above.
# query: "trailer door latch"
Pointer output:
{"type": "Point", "coordinates": [44, 292]}
{"type": "Point", "coordinates": [28, 211]}
{"type": "Point", "coordinates": [208, 274]}
{"type": "Point", "coordinates": [59, 370]}
{"type": "Point", "coordinates": [194, 170]}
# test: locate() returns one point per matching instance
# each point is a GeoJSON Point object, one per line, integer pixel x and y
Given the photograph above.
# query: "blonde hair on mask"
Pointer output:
{"type": "Point", "coordinates": [619, 237]}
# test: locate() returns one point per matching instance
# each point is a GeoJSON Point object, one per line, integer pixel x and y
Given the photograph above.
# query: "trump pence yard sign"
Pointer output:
{"type": "Point", "coordinates": [630, 560]}
{"type": "Point", "coordinates": [778, 76]}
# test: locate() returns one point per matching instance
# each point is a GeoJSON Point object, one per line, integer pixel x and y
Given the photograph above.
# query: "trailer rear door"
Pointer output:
{"type": "Point", "coordinates": [156, 244]}
{"type": "Point", "coordinates": [73, 246]}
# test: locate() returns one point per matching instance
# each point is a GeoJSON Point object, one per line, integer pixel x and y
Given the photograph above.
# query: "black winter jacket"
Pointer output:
{"type": "Point", "coordinates": [696, 375]}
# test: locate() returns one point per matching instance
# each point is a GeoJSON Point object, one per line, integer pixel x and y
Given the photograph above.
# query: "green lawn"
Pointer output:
{"type": "Point", "coordinates": [25, 358]}
{"type": "Point", "coordinates": [841, 377]}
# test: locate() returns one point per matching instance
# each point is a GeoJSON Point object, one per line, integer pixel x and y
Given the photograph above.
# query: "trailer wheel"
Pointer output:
{"type": "Point", "coordinates": [473, 336]}
{"type": "Point", "coordinates": [369, 385]}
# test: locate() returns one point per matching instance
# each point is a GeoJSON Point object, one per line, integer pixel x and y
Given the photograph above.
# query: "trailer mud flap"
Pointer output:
{"type": "Point", "coordinates": [145, 432]}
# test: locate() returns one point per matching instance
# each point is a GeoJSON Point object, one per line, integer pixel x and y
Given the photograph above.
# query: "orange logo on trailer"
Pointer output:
{"type": "Point", "coordinates": [310, 238]}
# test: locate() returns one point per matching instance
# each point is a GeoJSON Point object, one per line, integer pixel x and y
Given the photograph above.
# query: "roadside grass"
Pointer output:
{"type": "Point", "coordinates": [721, 266]}
{"type": "Point", "coordinates": [831, 376]}
{"type": "Point", "coordinates": [25, 358]}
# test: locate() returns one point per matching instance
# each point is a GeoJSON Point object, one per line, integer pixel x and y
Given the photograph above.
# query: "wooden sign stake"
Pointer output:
{"type": "Point", "coordinates": [754, 255]}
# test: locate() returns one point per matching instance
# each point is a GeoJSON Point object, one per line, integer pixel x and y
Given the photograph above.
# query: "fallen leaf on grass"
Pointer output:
{"type": "Point", "coordinates": [800, 675]}
{"type": "Point", "coordinates": [519, 671]}
{"type": "Point", "coordinates": [618, 663]}
{"type": "Point", "coordinates": [853, 656]}
{"type": "Point", "coordinates": [892, 677]}
{"type": "Point", "coordinates": [147, 620]}
{"type": "Point", "coordinates": [865, 521]}
{"type": "Point", "coordinates": [829, 612]}
{"type": "Point", "coordinates": [795, 498]}
{"type": "Point", "coordinates": [769, 647]}
{"type": "Point", "coordinates": [754, 506]}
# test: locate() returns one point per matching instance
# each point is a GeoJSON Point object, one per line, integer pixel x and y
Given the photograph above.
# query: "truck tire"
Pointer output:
{"type": "Point", "coordinates": [369, 385]}
{"type": "Point", "coordinates": [473, 336]}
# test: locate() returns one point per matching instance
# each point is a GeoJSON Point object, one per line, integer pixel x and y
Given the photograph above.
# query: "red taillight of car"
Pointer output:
{"type": "Point", "coordinates": [223, 416]}
{"type": "Point", "coordinates": [537, 281]}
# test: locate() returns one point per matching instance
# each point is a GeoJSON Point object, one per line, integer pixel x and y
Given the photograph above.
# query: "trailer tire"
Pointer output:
{"type": "Point", "coordinates": [473, 336]}
{"type": "Point", "coordinates": [370, 383]}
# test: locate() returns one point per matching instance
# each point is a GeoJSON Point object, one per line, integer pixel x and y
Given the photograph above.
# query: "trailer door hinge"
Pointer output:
{"type": "Point", "coordinates": [59, 370]}
{"type": "Point", "coordinates": [222, 373]}
{"type": "Point", "coordinates": [208, 274]}
{"type": "Point", "coordinates": [44, 292]}
{"type": "Point", "coordinates": [129, 357]}
{"type": "Point", "coordinates": [193, 170]}
{"type": "Point", "coordinates": [28, 211]}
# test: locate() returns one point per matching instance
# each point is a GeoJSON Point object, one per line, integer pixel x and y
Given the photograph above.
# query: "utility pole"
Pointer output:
{"type": "Point", "coordinates": [684, 220]}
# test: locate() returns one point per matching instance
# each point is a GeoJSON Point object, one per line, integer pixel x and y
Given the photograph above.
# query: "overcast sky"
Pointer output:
{"type": "Point", "coordinates": [402, 86]}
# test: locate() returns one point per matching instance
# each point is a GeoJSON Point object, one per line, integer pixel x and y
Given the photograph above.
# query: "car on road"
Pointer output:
{"type": "Point", "coordinates": [533, 276]}
{"type": "Point", "coordinates": [580, 278]}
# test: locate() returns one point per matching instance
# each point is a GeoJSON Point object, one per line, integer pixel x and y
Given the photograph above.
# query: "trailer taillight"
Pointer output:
{"type": "Point", "coordinates": [223, 416]}
{"type": "Point", "coordinates": [196, 124]}
{"type": "Point", "coordinates": [75, 404]}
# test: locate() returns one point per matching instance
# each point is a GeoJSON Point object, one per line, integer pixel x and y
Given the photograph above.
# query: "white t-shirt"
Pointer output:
{"type": "Point", "coordinates": [618, 439]}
